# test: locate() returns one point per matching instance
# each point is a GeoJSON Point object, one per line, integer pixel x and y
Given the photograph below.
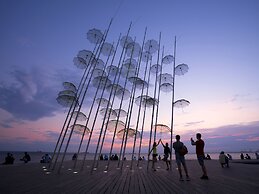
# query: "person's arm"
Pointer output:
{"type": "Point", "coordinates": [162, 143]}
{"type": "Point", "coordinates": [193, 142]}
{"type": "Point", "coordinates": [159, 142]}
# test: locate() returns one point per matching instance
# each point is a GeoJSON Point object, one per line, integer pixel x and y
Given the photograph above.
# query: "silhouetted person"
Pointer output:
{"type": "Point", "coordinates": [180, 159]}
{"type": "Point", "coordinates": [223, 159]}
{"type": "Point", "coordinates": [26, 158]}
{"type": "Point", "coordinates": [101, 157]}
{"type": "Point", "coordinates": [9, 159]}
{"type": "Point", "coordinates": [256, 155]}
{"type": "Point", "coordinates": [229, 156]}
{"type": "Point", "coordinates": [167, 153]}
{"type": "Point", "coordinates": [74, 156]}
{"type": "Point", "coordinates": [115, 157]}
{"type": "Point", "coordinates": [248, 157]}
{"type": "Point", "coordinates": [154, 154]}
{"type": "Point", "coordinates": [208, 157]}
{"type": "Point", "coordinates": [242, 156]}
{"type": "Point", "coordinates": [200, 154]}
{"type": "Point", "coordinates": [45, 158]}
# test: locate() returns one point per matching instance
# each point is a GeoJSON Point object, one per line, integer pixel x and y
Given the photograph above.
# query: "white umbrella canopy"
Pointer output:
{"type": "Point", "coordinates": [181, 69]}
{"type": "Point", "coordinates": [95, 36]}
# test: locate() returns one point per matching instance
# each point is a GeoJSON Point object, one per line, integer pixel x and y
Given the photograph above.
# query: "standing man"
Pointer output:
{"type": "Point", "coordinates": [200, 154]}
{"type": "Point", "coordinates": [178, 145]}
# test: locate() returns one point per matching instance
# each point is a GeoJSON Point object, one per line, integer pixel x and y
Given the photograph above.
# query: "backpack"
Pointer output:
{"type": "Point", "coordinates": [183, 150]}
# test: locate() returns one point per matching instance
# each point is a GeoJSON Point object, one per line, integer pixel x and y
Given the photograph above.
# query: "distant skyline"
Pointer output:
{"type": "Point", "coordinates": [218, 40]}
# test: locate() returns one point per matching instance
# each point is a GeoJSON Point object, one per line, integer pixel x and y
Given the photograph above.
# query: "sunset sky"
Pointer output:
{"type": "Point", "coordinates": [218, 39]}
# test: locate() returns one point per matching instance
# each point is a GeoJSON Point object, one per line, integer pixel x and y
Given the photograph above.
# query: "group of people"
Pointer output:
{"type": "Point", "coordinates": [180, 151]}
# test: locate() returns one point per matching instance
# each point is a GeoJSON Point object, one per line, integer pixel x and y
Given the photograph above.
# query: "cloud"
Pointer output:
{"type": "Point", "coordinates": [31, 95]}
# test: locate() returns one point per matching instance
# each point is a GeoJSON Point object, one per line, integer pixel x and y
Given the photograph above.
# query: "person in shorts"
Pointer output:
{"type": "Point", "coordinates": [154, 154]}
{"type": "Point", "coordinates": [200, 154]}
{"type": "Point", "coordinates": [180, 159]}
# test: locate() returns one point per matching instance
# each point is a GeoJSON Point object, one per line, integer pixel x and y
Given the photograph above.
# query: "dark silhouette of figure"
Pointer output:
{"type": "Point", "coordinates": [9, 159]}
{"type": "Point", "coordinates": [180, 159]}
{"type": "Point", "coordinates": [45, 158]}
{"type": "Point", "coordinates": [229, 156]}
{"type": "Point", "coordinates": [74, 156]}
{"type": "Point", "coordinates": [167, 153]}
{"type": "Point", "coordinates": [242, 156]}
{"type": "Point", "coordinates": [256, 155]}
{"type": "Point", "coordinates": [200, 154]}
{"type": "Point", "coordinates": [248, 157]}
{"type": "Point", "coordinates": [26, 158]}
{"type": "Point", "coordinates": [115, 157]}
{"type": "Point", "coordinates": [101, 157]}
{"type": "Point", "coordinates": [154, 155]}
{"type": "Point", "coordinates": [208, 157]}
{"type": "Point", "coordinates": [223, 159]}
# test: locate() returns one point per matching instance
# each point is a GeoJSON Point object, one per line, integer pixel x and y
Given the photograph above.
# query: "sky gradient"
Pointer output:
{"type": "Point", "coordinates": [218, 39]}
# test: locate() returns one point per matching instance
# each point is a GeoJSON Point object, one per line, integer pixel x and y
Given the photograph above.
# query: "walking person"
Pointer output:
{"type": "Point", "coordinates": [200, 154]}
{"type": "Point", "coordinates": [167, 153]}
{"type": "Point", "coordinates": [154, 154]}
{"type": "Point", "coordinates": [180, 159]}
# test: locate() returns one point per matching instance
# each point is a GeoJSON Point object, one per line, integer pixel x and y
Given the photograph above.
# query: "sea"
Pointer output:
{"type": "Point", "coordinates": [37, 156]}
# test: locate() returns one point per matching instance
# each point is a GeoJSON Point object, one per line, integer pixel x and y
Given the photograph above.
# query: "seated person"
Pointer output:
{"type": "Point", "coordinates": [248, 157]}
{"type": "Point", "coordinates": [9, 159]}
{"type": "Point", "coordinates": [26, 158]}
{"type": "Point", "coordinates": [208, 157]}
{"type": "Point", "coordinates": [223, 159]}
{"type": "Point", "coordinates": [45, 159]}
{"type": "Point", "coordinates": [74, 157]}
{"type": "Point", "coordinates": [229, 156]}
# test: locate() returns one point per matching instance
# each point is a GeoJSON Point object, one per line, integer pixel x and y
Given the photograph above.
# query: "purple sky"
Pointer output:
{"type": "Point", "coordinates": [218, 39]}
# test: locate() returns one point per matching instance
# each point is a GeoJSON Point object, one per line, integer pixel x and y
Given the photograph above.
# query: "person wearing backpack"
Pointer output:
{"type": "Point", "coordinates": [179, 157]}
{"type": "Point", "coordinates": [200, 154]}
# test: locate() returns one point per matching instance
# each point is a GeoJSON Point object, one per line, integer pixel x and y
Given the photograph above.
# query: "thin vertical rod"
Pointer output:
{"type": "Point", "coordinates": [172, 119]}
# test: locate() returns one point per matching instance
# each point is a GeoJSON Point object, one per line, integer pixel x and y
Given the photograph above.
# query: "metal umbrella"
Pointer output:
{"type": "Point", "coordinates": [181, 103]}
{"type": "Point", "coordinates": [156, 68]}
{"type": "Point", "coordinates": [95, 36]}
{"type": "Point", "coordinates": [98, 72]}
{"type": "Point", "coordinates": [98, 64]}
{"type": "Point", "coordinates": [87, 55]}
{"type": "Point", "coordinates": [110, 111]}
{"type": "Point", "coordinates": [181, 69]}
{"type": "Point", "coordinates": [67, 92]}
{"type": "Point", "coordinates": [166, 87]}
{"type": "Point", "coordinates": [80, 116]}
{"type": "Point", "coordinates": [112, 69]}
{"type": "Point", "coordinates": [168, 59]}
{"type": "Point", "coordinates": [69, 86]}
{"type": "Point", "coordinates": [125, 40]}
{"type": "Point", "coordinates": [80, 63]}
{"type": "Point", "coordinates": [79, 129]}
{"type": "Point", "coordinates": [151, 46]}
{"type": "Point", "coordinates": [165, 78]}
{"type": "Point", "coordinates": [66, 100]}
{"type": "Point", "coordinates": [103, 102]}
{"type": "Point", "coordinates": [103, 80]}
{"type": "Point", "coordinates": [133, 50]}
{"type": "Point", "coordinates": [112, 124]}
{"type": "Point", "coordinates": [107, 49]}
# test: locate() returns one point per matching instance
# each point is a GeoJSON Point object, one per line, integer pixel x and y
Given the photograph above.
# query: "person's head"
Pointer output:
{"type": "Point", "coordinates": [221, 152]}
{"type": "Point", "coordinates": [166, 144]}
{"type": "Point", "coordinates": [177, 137]}
{"type": "Point", "coordinates": [198, 136]}
{"type": "Point", "coordinates": [154, 144]}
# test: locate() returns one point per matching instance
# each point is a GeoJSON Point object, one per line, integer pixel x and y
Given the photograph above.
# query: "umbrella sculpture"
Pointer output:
{"type": "Point", "coordinates": [130, 64]}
